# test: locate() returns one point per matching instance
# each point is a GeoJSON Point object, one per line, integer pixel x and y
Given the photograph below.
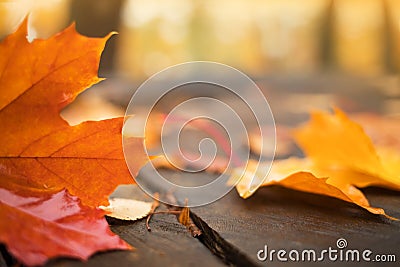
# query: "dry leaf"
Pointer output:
{"type": "Point", "coordinates": [336, 142]}
{"type": "Point", "coordinates": [185, 220]}
{"type": "Point", "coordinates": [127, 209]}
{"type": "Point", "coordinates": [184, 217]}
{"type": "Point", "coordinates": [39, 79]}
{"type": "Point", "coordinates": [301, 174]}
{"type": "Point", "coordinates": [37, 225]}
{"type": "Point", "coordinates": [341, 158]}
{"type": "Point", "coordinates": [40, 154]}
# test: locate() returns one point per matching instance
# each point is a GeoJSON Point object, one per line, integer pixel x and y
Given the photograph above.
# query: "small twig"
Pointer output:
{"type": "Point", "coordinates": [154, 206]}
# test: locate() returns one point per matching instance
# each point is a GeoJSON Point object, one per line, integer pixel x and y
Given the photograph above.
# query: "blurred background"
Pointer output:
{"type": "Point", "coordinates": [327, 48]}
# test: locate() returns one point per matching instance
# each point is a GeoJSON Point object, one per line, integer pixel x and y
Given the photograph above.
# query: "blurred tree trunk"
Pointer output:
{"type": "Point", "coordinates": [97, 18]}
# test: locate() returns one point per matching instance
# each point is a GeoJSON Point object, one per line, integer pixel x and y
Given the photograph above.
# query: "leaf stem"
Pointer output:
{"type": "Point", "coordinates": [154, 206]}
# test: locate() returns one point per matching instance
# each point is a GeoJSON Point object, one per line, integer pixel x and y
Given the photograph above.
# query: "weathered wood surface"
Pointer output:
{"type": "Point", "coordinates": [274, 216]}
{"type": "Point", "coordinates": [277, 217]}
{"type": "Point", "coordinates": [282, 218]}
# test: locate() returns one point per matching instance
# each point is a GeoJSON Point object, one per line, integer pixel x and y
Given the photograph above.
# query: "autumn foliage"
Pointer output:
{"type": "Point", "coordinates": [54, 176]}
{"type": "Point", "coordinates": [340, 159]}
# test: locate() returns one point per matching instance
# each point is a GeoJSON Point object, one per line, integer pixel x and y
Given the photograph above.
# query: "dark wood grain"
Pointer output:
{"type": "Point", "coordinates": [286, 219]}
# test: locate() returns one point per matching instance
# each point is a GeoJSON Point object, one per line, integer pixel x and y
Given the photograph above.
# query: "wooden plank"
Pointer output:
{"type": "Point", "coordinates": [274, 216]}
{"type": "Point", "coordinates": [286, 219]}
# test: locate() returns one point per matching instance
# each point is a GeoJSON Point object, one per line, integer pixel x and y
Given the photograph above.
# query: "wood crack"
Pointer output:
{"type": "Point", "coordinates": [221, 248]}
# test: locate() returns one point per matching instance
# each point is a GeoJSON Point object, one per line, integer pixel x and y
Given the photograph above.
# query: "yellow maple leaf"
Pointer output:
{"type": "Point", "coordinates": [340, 159]}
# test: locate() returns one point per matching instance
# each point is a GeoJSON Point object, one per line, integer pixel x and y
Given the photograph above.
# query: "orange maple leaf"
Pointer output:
{"type": "Point", "coordinates": [336, 143]}
{"type": "Point", "coordinates": [37, 80]}
{"type": "Point", "coordinates": [340, 159]}
{"type": "Point", "coordinates": [302, 175]}
{"type": "Point", "coordinates": [43, 160]}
